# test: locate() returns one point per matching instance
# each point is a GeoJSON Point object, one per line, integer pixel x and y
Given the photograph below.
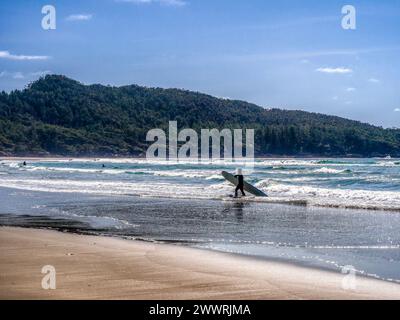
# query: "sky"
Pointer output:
{"type": "Point", "coordinates": [285, 54]}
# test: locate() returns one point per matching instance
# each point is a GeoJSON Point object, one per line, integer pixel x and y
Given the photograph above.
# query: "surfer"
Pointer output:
{"type": "Point", "coordinates": [240, 185]}
{"type": "Point", "coordinates": [238, 181]}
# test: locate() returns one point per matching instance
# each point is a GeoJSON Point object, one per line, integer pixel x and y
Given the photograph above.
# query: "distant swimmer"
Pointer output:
{"type": "Point", "coordinates": [240, 185]}
{"type": "Point", "coordinates": [24, 164]}
{"type": "Point", "coordinates": [103, 166]}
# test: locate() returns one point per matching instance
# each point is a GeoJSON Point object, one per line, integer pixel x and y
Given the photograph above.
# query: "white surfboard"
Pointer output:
{"type": "Point", "coordinates": [247, 186]}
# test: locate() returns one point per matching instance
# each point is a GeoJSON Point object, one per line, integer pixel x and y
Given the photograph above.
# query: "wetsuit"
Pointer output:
{"type": "Point", "coordinates": [240, 185]}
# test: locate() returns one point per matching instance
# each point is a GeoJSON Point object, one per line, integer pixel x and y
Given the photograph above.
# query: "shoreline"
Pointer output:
{"type": "Point", "coordinates": [271, 157]}
{"type": "Point", "coordinates": [183, 244]}
{"type": "Point", "coordinates": [268, 200]}
{"type": "Point", "coordinates": [98, 267]}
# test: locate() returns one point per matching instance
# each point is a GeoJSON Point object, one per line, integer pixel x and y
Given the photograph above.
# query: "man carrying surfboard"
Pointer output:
{"type": "Point", "coordinates": [240, 185]}
{"type": "Point", "coordinates": [238, 181]}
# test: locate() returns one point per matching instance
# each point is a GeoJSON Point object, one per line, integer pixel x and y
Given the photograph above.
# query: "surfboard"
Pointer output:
{"type": "Point", "coordinates": [247, 186]}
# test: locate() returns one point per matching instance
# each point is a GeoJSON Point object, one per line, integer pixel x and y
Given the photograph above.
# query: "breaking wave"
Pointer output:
{"type": "Point", "coordinates": [344, 183]}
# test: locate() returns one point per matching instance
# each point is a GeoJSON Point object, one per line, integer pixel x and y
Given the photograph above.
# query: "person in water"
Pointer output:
{"type": "Point", "coordinates": [240, 185]}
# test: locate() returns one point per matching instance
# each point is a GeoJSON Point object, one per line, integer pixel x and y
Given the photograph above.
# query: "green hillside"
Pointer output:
{"type": "Point", "coordinates": [59, 116]}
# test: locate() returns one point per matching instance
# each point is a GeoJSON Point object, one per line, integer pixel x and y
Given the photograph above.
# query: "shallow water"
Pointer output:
{"type": "Point", "coordinates": [187, 204]}
{"type": "Point", "coordinates": [346, 183]}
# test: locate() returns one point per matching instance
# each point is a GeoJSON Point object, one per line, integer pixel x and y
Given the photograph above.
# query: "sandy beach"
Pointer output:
{"type": "Point", "coordinates": [92, 267]}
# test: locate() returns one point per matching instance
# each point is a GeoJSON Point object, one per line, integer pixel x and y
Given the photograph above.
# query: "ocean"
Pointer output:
{"type": "Point", "coordinates": [321, 213]}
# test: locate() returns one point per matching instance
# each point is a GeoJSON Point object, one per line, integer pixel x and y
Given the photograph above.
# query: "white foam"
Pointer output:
{"type": "Point", "coordinates": [388, 163]}
{"type": "Point", "coordinates": [108, 188]}
{"type": "Point", "coordinates": [184, 173]}
{"type": "Point", "coordinates": [330, 197]}
{"type": "Point", "coordinates": [294, 187]}
{"type": "Point", "coordinates": [329, 170]}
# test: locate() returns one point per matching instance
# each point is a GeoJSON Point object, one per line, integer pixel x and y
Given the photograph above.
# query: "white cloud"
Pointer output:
{"type": "Point", "coordinates": [20, 75]}
{"type": "Point", "coordinates": [340, 70]}
{"type": "Point", "coordinates": [175, 3]}
{"type": "Point", "coordinates": [79, 17]}
{"type": "Point", "coordinates": [298, 55]}
{"type": "Point", "coordinates": [8, 55]}
{"type": "Point", "coordinates": [14, 75]}
{"type": "Point", "coordinates": [335, 98]}
{"type": "Point", "coordinates": [373, 80]}
{"type": "Point", "coordinates": [39, 73]}
{"type": "Point", "coordinates": [349, 102]}
{"type": "Point", "coordinates": [351, 89]}
{"type": "Point", "coordinates": [397, 110]}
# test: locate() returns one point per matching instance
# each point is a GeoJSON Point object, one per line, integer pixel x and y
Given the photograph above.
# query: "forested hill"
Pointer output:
{"type": "Point", "coordinates": [59, 116]}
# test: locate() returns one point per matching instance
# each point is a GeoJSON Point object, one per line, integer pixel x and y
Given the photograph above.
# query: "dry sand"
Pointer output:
{"type": "Point", "coordinates": [89, 267]}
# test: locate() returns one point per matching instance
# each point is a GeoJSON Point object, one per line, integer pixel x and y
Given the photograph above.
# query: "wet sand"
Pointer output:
{"type": "Point", "coordinates": [91, 267]}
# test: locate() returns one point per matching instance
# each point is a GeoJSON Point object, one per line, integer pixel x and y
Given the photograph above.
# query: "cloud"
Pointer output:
{"type": "Point", "coordinates": [299, 55]}
{"type": "Point", "coordinates": [20, 75]}
{"type": "Point", "coordinates": [79, 17]}
{"type": "Point", "coordinates": [340, 70]}
{"type": "Point", "coordinates": [178, 3]}
{"type": "Point", "coordinates": [39, 73]}
{"type": "Point", "coordinates": [373, 80]}
{"type": "Point", "coordinates": [174, 3]}
{"type": "Point", "coordinates": [14, 75]}
{"type": "Point", "coordinates": [8, 55]}
{"type": "Point", "coordinates": [397, 110]}
{"type": "Point", "coordinates": [351, 89]}
{"type": "Point", "coordinates": [293, 23]}
{"type": "Point", "coordinates": [335, 98]}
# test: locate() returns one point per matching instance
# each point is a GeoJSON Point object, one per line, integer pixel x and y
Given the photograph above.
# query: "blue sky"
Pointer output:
{"type": "Point", "coordinates": [286, 54]}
